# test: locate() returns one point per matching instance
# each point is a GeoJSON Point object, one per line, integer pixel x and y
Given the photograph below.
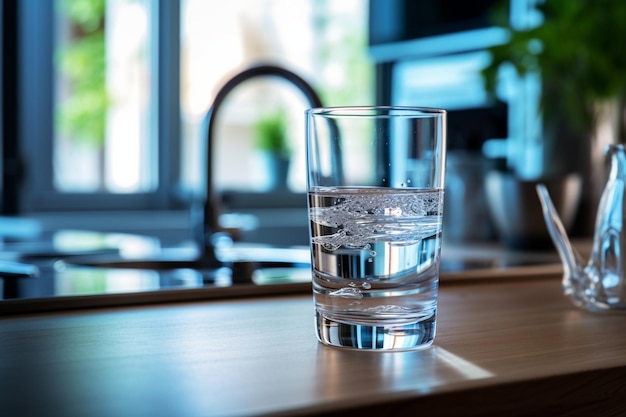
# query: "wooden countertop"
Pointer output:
{"type": "Point", "coordinates": [503, 348]}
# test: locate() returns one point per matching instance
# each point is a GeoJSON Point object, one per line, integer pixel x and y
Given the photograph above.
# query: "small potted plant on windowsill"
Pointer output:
{"type": "Point", "coordinates": [271, 139]}
{"type": "Point", "coordinates": [577, 51]}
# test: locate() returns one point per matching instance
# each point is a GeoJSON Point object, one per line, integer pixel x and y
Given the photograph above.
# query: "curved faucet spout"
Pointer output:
{"type": "Point", "coordinates": [208, 225]}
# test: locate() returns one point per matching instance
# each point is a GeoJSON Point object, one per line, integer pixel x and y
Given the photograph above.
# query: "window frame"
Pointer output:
{"type": "Point", "coordinates": [35, 111]}
{"type": "Point", "coordinates": [31, 184]}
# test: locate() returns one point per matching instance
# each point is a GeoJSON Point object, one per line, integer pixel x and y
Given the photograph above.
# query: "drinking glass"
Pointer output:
{"type": "Point", "coordinates": [375, 198]}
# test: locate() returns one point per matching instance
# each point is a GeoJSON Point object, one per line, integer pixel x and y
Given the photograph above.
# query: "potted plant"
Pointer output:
{"type": "Point", "coordinates": [576, 50]}
{"type": "Point", "coordinates": [271, 139]}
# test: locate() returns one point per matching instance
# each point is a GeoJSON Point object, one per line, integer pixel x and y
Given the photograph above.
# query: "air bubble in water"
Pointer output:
{"type": "Point", "coordinates": [347, 293]}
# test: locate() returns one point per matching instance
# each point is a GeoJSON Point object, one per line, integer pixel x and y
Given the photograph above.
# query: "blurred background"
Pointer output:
{"type": "Point", "coordinates": [103, 103]}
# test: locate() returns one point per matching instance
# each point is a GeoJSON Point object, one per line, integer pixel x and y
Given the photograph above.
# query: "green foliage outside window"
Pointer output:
{"type": "Point", "coordinates": [349, 52]}
{"type": "Point", "coordinates": [82, 61]}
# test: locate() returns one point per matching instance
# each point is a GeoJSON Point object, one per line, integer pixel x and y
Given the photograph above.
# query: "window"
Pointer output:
{"type": "Point", "coordinates": [113, 92]}
{"type": "Point", "coordinates": [102, 97]}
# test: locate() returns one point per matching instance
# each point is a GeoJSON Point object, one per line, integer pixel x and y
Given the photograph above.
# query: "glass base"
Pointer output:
{"type": "Point", "coordinates": [393, 337]}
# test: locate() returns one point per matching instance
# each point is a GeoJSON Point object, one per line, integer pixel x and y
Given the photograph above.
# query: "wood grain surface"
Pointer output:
{"type": "Point", "coordinates": [503, 348]}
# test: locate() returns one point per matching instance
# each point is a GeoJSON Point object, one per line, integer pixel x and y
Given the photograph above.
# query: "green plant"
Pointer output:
{"type": "Point", "coordinates": [82, 115]}
{"type": "Point", "coordinates": [579, 52]}
{"type": "Point", "coordinates": [271, 133]}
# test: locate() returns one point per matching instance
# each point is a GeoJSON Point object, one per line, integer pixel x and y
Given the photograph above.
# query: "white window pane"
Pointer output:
{"type": "Point", "coordinates": [102, 133]}
{"type": "Point", "coordinates": [322, 41]}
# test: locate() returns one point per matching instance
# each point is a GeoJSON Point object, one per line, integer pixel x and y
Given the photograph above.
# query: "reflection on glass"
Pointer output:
{"type": "Point", "coordinates": [94, 281]}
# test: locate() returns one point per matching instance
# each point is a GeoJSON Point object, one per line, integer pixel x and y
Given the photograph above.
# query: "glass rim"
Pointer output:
{"type": "Point", "coordinates": [376, 111]}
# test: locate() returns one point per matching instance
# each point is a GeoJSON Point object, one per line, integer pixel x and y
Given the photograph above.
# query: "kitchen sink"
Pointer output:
{"type": "Point", "coordinates": [131, 269]}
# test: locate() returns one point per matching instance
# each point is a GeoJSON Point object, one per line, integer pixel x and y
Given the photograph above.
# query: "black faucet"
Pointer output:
{"type": "Point", "coordinates": [206, 221]}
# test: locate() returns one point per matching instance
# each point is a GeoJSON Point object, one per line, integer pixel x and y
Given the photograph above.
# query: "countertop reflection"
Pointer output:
{"type": "Point", "coordinates": [67, 280]}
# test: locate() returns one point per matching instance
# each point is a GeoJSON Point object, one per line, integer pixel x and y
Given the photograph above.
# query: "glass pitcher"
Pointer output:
{"type": "Point", "coordinates": [598, 284]}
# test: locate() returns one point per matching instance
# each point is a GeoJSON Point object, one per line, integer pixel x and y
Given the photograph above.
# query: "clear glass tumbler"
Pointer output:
{"type": "Point", "coordinates": [375, 193]}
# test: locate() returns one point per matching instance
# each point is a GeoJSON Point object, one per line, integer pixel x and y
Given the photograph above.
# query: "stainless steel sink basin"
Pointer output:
{"type": "Point", "coordinates": [248, 263]}
{"type": "Point", "coordinates": [118, 261]}
{"type": "Point", "coordinates": [85, 270]}
{"type": "Point", "coordinates": [170, 258]}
